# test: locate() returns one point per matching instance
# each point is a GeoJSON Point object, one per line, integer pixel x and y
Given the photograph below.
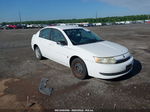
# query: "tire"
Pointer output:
{"type": "Point", "coordinates": [79, 69]}
{"type": "Point", "coordinates": [38, 53]}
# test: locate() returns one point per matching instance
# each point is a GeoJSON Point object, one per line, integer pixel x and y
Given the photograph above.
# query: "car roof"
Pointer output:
{"type": "Point", "coordinates": [65, 27]}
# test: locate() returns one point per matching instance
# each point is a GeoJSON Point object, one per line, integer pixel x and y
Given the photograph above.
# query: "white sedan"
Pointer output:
{"type": "Point", "coordinates": [83, 51]}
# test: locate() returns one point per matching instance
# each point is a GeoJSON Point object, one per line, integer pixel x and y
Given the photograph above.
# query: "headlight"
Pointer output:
{"type": "Point", "coordinates": [105, 60]}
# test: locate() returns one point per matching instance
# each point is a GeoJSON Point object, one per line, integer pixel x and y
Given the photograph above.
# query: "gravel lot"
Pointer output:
{"type": "Point", "coordinates": [21, 73]}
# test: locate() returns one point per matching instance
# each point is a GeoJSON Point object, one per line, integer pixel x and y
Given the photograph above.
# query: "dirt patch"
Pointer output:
{"type": "Point", "coordinates": [10, 99]}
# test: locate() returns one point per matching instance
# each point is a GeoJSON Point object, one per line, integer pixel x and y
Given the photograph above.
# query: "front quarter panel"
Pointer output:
{"type": "Point", "coordinates": [84, 55]}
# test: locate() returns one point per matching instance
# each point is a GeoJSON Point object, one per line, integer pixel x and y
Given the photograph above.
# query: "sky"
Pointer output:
{"type": "Point", "coordinates": [69, 9]}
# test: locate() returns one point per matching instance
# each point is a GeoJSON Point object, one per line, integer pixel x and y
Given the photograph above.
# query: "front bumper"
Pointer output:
{"type": "Point", "coordinates": [109, 71]}
{"type": "Point", "coordinates": [128, 68]}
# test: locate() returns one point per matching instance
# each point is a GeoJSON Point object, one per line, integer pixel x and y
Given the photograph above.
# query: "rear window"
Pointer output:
{"type": "Point", "coordinates": [45, 33]}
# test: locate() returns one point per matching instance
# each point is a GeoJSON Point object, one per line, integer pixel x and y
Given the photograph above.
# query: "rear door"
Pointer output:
{"type": "Point", "coordinates": [44, 41]}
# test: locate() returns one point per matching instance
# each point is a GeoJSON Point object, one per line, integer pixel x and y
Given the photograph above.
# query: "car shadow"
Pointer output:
{"type": "Point", "coordinates": [137, 67]}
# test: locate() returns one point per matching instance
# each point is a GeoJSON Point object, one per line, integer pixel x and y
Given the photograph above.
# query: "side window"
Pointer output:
{"type": "Point", "coordinates": [45, 33]}
{"type": "Point", "coordinates": [57, 36]}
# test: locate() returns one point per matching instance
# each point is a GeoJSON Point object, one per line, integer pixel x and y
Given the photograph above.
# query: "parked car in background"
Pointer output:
{"type": "Point", "coordinates": [147, 21]}
{"type": "Point", "coordinates": [12, 26]}
{"type": "Point", "coordinates": [30, 26]}
{"type": "Point", "coordinates": [83, 51]}
{"type": "Point", "coordinates": [1, 27]}
{"type": "Point", "coordinates": [21, 26]}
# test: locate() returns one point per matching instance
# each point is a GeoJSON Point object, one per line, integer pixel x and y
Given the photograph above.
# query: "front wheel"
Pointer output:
{"type": "Point", "coordinates": [38, 53]}
{"type": "Point", "coordinates": [79, 69]}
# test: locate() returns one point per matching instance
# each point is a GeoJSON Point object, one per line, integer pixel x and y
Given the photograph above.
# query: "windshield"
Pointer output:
{"type": "Point", "coordinates": [81, 36]}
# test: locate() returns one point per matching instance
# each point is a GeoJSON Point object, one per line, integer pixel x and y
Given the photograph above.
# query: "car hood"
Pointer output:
{"type": "Point", "coordinates": [104, 49]}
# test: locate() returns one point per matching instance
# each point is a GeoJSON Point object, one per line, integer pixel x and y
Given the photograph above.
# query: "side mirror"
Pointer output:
{"type": "Point", "coordinates": [62, 43]}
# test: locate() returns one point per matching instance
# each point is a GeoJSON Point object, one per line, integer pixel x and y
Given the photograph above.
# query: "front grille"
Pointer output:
{"type": "Point", "coordinates": [123, 60]}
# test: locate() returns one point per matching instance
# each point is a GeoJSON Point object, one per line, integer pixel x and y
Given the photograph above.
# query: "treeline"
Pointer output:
{"type": "Point", "coordinates": [90, 20]}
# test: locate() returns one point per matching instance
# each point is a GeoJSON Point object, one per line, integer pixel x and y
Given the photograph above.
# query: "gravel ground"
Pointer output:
{"type": "Point", "coordinates": [21, 73]}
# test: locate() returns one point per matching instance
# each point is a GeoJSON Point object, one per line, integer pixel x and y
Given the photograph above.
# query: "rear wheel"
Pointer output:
{"type": "Point", "coordinates": [79, 69]}
{"type": "Point", "coordinates": [38, 53]}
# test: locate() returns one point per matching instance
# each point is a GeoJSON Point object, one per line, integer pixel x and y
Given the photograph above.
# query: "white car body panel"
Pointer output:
{"type": "Point", "coordinates": [63, 54]}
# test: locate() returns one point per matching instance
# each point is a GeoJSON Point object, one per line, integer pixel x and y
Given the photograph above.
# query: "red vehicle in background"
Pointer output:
{"type": "Point", "coordinates": [148, 22]}
{"type": "Point", "coordinates": [11, 27]}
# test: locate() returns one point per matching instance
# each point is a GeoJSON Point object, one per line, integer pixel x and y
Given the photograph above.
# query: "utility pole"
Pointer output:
{"type": "Point", "coordinates": [96, 16]}
{"type": "Point", "coordinates": [19, 14]}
